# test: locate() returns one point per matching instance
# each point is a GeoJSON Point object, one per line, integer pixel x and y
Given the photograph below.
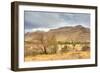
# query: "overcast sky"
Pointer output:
{"type": "Point", "coordinates": [50, 20]}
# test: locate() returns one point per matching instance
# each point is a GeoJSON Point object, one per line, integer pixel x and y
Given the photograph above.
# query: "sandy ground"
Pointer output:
{"type": "Point", "coordinates": [60, 56]}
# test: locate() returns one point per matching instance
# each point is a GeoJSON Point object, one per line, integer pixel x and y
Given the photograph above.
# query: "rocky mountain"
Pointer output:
{"type": "Point", "coordinates": [68, 33]}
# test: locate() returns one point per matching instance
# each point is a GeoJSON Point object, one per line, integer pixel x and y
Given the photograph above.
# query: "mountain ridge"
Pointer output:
{"type": "Point", "coordinates": [69, 33]}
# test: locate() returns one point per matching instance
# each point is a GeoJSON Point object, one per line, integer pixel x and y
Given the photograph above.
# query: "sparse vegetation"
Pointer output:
{"type": "Point", "coordinates": [48, 47]}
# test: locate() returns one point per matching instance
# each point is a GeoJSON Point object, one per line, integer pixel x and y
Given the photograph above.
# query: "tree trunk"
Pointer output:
{"type": "Point", "coordinates": [45, 50]}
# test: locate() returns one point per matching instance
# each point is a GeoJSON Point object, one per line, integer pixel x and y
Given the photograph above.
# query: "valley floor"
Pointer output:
{"type": "Point", "coordinates": [59, 56]}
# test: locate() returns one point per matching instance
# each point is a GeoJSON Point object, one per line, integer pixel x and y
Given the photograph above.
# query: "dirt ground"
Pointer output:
{"type": "Point", "coordinates": [59, 56]}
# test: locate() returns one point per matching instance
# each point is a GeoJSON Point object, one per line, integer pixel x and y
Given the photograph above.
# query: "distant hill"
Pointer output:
{"type": "Point", "coordinates": [68, 33]}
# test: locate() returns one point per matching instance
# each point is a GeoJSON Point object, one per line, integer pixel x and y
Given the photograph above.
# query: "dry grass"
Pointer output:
{"type": "Point", "coordinates": [59, 56]}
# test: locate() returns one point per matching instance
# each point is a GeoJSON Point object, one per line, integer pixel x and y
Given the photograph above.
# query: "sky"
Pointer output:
{"type": "Point", "coordinates": [35, 20]}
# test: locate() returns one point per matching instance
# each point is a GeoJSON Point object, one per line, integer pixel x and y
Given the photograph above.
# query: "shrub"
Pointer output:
{"type": "Point", "coordinates": [65, 49]}
{"type": "Point", "coordinates": [32, 52]}
{"type": "Point", "coordinates": [85, 48]}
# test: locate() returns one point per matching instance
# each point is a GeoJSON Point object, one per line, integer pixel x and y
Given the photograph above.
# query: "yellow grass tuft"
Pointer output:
{"type": "Point", "coordinates": [60, 56]}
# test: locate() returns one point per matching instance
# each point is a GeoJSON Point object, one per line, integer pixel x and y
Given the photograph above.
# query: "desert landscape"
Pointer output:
{"type": "Point", "coordinates": [63, 43]}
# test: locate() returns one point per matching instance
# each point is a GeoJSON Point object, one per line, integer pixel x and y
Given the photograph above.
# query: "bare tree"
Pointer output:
{"type": "Point", "coordinates": [41, 38]}
{"type": "Point", "coordinates": [48, 42]}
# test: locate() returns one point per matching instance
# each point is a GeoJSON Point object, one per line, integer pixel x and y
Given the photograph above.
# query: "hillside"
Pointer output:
{"type": "Point", "coordinates": [70, 33]}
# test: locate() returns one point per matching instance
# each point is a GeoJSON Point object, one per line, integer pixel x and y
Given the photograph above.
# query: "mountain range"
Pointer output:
{"type": "Point", "coordinates": [68, 33]}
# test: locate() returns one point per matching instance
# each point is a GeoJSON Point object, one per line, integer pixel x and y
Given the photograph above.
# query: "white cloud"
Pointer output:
{"type": "Point", "coordinates": [41, 29]}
